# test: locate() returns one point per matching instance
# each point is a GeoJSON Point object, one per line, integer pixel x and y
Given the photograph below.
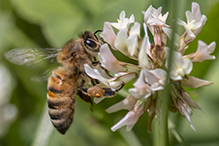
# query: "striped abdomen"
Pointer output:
{"type": "Point", "coordinates": [62, 90]}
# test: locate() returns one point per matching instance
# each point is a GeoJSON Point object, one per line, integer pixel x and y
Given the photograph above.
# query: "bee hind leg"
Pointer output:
{"type": "Point", "coordinates": [86, 98]}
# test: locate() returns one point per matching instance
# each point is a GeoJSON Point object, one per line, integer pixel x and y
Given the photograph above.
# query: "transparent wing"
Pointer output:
{"type": "Point", "coordinates": [31, 56]}
{"type": "Point", "coordinates": [43, 76]}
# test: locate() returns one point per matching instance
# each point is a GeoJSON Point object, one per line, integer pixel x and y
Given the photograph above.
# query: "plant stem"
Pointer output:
{"type": "Point", "coordinates": [162, 136]}
{"type": "Point", "coordinates": [44, 130]}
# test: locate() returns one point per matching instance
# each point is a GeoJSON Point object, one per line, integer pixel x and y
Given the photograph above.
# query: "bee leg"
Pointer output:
{"type": "Point", "coordinates": [108, 92]}
{"type": "Point", "coordinates": [83, 90]}
{"type": "Point", "coordinates": [86, 98]}
{"type": "Point", "coordinates": [82, 84]}
{"type": "Point", "coordinates": [95, 62]}
{"type": "Point", "coordinates": [97, 32]}
{"type": "Point", "coordinates": [94, 82]}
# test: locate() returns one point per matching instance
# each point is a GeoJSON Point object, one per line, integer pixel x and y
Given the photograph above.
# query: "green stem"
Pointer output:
{"type": "Point", "coordinates": [162, 136]}
{"type": "Point", "coordinates": [44, 130]}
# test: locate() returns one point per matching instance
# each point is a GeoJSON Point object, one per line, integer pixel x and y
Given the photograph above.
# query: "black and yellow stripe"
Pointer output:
{"type": "Point", "coordinates": [61, 95]}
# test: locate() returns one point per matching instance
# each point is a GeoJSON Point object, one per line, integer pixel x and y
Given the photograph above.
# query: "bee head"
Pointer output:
{"type": "Point", "coordinates": [91, 42]}
{"type": "Point", "coordinates": [71, 55]}
{"type": "Point", "coordinates": [80, 51]}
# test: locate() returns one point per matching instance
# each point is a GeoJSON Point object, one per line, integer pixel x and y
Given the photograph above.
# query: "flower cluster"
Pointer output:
{"type": "Point", "coordinates": [151, 72]}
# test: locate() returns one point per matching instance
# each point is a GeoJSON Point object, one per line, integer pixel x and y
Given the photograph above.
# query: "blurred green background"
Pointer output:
{"type": "Point", "coordinates": [51, 23]}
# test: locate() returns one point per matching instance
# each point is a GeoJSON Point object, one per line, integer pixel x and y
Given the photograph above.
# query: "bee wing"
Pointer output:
{"type": "Point", "coordinates": [43, 76]}
{"type": "Point", "coordinates": [31, 56]}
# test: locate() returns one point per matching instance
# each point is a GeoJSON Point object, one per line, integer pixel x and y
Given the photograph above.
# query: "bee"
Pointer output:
{"type": "Point", "coordinates": [68, 80]}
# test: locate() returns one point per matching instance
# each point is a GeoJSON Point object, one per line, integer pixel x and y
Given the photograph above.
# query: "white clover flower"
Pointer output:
{"type": "Point", "coordinates": [155, 21]}
{"type": "Point", "coordinates": [123, 22]}
{"type": "Point", "coordinates": [191, 25]}
{"type": "Point", "coordinates": [156, 78]}
{"type": "Point", "coordinates": [195, 22]}
{"type": "Point", "coordinates": [130, 118]}
{"type": "Point", "coordinates": [150, 70]}
{"type": "Point", "coordinates": [132, 41]}
{"type": "Point", "coordinates": [198, 16]}
{"type": "Point", "coordinates": [154, 16]}
{"type": "Point", "coordinates": [118, 81]}
{"type": "Point", "coordinates": [114, 83]}
{"type": "Point", "coordinates": [179, 66]}
{"type": "Point", "coordinates": [194, 82]}
{"type": "Point", "coordinates": [128, 103]}
{"type": "Point", "coordinates": [121, 41]}
{"type": "Point", "coordinates": [127, 42]}
{"type": "Point", "coordinates": [108, 34]}
{"type": "Point", "coordinates": [145, 51]}
{"type": "Point", "coordinates": [141, 88]}
{"type": "Point", "coordinates": [203, 52]}
{"type": "Point", "coordinates": [108, 60]}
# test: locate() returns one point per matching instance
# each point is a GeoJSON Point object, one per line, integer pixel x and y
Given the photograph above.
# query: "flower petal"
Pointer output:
{"type": "Point", "coordinates": [122, 21]}
{"type": "Point", "coordinates": [132, 44]}
{"type": "Point", "coordinates": [190, 102]}
{"type": "Point", "coordinates": [168, 32]}
{"type": "Point", "coordinates": [143, 58]}
{"type": "Point", "coordinates": [97, 100]}
{"type": "Point", "coordinates": [95, 74]}
{"type": "Point", "coordinates": [194, 82]}
{"type": "Point", "coordinates": [121, 41]}
{"type": "Point", "coordinates": [203, 52]}
{"type": "Point", "coordinates": [179, 66]}
{"type": "Point", "coordinates": [128, 103]}
{"type": "Point", "coordinates": [108, 60]}
{"type": "Point", "coordinates": [135, 30]}
{"type": "Point", "coordinates": [141, 88]}
{"type": "Point", "coordinates": [130, 118]}
{"type": "Point", "coordinates": [108, 34]}
{"type": "Point", "coordinates": [196, 11]}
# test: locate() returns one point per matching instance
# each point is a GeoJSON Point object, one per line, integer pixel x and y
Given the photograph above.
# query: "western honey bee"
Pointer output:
{"type": "Point", "coordinates": [68, 80]}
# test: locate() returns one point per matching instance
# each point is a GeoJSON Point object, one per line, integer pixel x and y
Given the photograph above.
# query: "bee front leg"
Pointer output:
{"type": "Point", "coordinates": [95, 63]}
{"type": "Point", "coordinates": [83, 90]}
{"type": "Point", "coordinates": [94, 81]}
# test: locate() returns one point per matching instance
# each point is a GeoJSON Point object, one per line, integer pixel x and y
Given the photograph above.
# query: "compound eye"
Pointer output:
{"type": "Point", "coordinates": [90, 43]}
{"type": "Point", "coordinates": [74, 54]}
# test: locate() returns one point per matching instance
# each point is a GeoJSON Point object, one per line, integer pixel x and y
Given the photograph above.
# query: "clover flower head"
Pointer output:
{"type": "Point", "coordinates": [155, 67]}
